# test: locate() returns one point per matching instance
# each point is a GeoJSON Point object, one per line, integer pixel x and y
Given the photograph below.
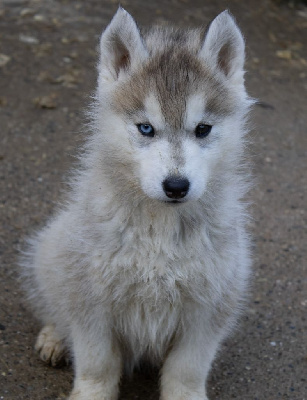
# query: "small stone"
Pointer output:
{"type": "Point", "coordinates": [28, 39]}
{"type": "Point", "coordinates": [302, 13]}
{"type": "Point", "coordinates": [73, 54]}
{"type": "Point", "coordinates": [39, 18]}
{"type": "Point", "coordinates": [26, 11]}
{"type": "Point", "coordinates": [65, 40]}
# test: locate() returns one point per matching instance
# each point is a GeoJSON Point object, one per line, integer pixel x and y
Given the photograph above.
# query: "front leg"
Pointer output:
{"type": "Point", "coordinates": [97, 363]}
{"type": "Point", "coordinates": [186, 367]}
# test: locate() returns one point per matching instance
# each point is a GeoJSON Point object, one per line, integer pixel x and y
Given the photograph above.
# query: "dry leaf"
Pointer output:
{"type": "Point", "coordinates": [44, 76]}
{"type": "Point", "coordinates": [3, 101]}
{"type": "Point", "coordinates": [285, 54]}
{"type": "Point", "coordinates": [48, 102]}
{"type": "Point", "coordinates": [4, 59]}
{"type": "Point", "coordinates": [43, 49]}
{"type": "Point", "coordinates": [272, 37]}
{"type": "Point", "coordinates": [68, 79]}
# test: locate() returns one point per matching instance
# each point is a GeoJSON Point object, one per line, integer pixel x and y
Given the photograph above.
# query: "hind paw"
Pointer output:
{"type": "Point", "coordinates": [50, 347]}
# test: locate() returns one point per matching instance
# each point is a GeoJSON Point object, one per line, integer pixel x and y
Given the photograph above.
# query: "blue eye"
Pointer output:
{"type": "Point", "coordinates": [146, 130]}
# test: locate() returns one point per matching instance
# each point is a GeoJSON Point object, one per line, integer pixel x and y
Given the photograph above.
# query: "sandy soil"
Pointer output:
{"type": "Point", "coordinates": [47, 74]}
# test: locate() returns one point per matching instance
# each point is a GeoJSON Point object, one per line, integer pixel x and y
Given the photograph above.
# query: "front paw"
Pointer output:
{"type": "Point", "coordinates": [50, 347]}
{"type": "Point", "coordinates": [85, 389]}
{"type": "Point", "coordinates": [177, 391]}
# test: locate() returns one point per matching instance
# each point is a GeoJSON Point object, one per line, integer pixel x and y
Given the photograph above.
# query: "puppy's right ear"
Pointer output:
{"type": "Point", "coordinates": [121, 48]}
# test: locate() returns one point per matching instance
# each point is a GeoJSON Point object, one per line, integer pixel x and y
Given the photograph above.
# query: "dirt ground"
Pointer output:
{"type": "Point", "coordinates": [47, 75]}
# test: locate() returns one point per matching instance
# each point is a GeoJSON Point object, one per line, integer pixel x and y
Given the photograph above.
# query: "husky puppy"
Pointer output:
{"type": "Point", "coordinates": [149, 258]}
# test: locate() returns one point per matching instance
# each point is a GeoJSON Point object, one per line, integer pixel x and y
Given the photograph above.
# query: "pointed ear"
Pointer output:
{"type": "Point", "coordinates": [223, 47]}
{"type": "Point", "coordinates": [121, 47]}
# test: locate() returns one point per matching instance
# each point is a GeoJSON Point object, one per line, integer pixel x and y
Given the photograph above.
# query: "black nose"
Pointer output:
{"type": "Point", "coordinates": [176, 187]}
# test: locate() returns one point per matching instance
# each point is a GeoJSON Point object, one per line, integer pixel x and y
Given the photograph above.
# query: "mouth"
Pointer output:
{"type": "Point", "coordinates": [174, 202]}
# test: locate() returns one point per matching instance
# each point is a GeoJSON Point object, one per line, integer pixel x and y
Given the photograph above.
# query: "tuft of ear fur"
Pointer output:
{"type": "Point", "coordinates": [121, 48]}
{"type": "Point", "coordinates": [223, 47]}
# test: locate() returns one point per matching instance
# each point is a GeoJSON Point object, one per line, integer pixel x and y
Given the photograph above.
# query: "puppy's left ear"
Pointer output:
{"type": "Point", "coordinates": [223, 48]}
{"type": "Point", "coordinates": [121, 48]}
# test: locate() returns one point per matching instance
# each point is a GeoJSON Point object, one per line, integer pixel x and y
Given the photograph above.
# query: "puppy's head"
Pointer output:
{"type": "Point", "coordinates": [172, 106]}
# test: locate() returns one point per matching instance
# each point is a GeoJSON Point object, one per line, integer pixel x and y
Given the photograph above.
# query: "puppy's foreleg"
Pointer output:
{"type": "Point", "coordinates": [98, 365]}
{"type": "Point", "coordinates": [185, 370]}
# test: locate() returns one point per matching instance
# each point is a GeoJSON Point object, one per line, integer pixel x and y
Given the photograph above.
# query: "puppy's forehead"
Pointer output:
{"type": "Point", "coordinates": [153, 112]}
{"type": "Point", "coordinates": [174, 74]}
{"type": "Point", "coordinates": [165, 85]}
{"type": "Point", "coordinates": [194, 112]}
